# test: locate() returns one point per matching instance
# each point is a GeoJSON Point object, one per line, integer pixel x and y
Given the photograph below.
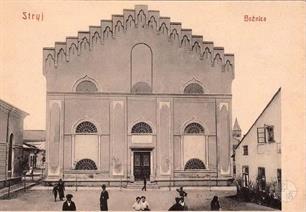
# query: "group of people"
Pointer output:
{"type": "Point", "coordinates": [59, 189]}
{"type": "Point", "coordinates": [69, 205]}
{"type": "Point", "coordinates": [180, 204]}
{"type": "Point", "coordinates": [141, 204]}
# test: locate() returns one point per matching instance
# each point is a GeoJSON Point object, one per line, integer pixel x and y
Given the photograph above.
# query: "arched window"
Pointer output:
{"type": "Point", "coordinates": [194, 163]}
{"type": "Point", "coordinates": [10, 153]}
{"type": "Point", "coordinates": [141, 128]}
{"type": "Point", "coordinates": [141, 87]}
{"type": "Point", "coordinates": [86, 164]}
{"type": "Point", "coordinates": [86, 86]}
{"type": "Point", "coordinates": [193, 88]}
{"type": "Point", "coordinates": [194, 128]}
{"type": "Point", "coordinates": [86, 127]}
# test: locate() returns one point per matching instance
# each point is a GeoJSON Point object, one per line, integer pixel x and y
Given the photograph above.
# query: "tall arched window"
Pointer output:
{"type": "Point", "coordinates": [194, 163]}
{"type": "Point", "coordinates": [85, 164]}
{"type": "Point", "coordinates": [141, 128]}
{"type": "Point", "coordinates": [193, 88]}
{"type": "Point", "coordinates": [10, 153]}
{"type": "Point", "coordinates": [194, 128]}
{"type": "Point", "coordinates": [141, 67]}
{"type": "Point", "coordinates": [86, 127]}
{"type": "Point", "coordinates": [86, 86]}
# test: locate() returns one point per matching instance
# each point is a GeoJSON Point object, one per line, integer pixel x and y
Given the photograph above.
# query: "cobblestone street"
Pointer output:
{"type": "Point", "coordinates": [87, 199]}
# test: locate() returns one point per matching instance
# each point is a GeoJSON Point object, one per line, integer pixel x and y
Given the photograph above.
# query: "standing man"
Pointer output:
{"type": "Point", "coordinates": [144, 183]}
{"type": "Point", "coordinates": [103, 199]}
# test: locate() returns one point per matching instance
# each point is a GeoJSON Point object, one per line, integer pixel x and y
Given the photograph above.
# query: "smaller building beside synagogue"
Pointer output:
{"type": "Point", "coordinates": [258, 155]}
{"type": "Point", "coordinates": [11, 139]}
{"type": "Point", "coordinates": [34, 142]}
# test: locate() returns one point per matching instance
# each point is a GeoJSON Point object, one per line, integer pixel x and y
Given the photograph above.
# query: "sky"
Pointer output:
{"type": "Point", "coordinates": [265, 52]}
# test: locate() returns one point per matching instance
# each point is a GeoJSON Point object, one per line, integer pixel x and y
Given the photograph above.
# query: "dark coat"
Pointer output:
{"type": "Point", "coordinates": [55, 189]}
{"type": "Point", "coordinates": [215, 205]}
{"type": "Point", "coordinates": [61, 189]}
{"type": "Point", "coordinates": [176, 207]}
{"type": "Point", "coordinates": [103, 201]}
{"type": "Point", "coordinates": [66, 207]}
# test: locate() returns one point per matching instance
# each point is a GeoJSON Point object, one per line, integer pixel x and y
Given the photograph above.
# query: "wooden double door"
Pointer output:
{"type": "Point", "coordinates": [142, 165]}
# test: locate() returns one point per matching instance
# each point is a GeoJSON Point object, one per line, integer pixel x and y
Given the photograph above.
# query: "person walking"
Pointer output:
{"type": "Point", "coordinates": [69, 205]}
{"type": "Point", "coordinates": [144, 183]}
{"type": "Point", "coordinates": [137, 205]}
{"type": "Point", "coordinates": [55, 190]}
{"type": "Point", "coordinates": [61, 189]}
{"type": "Point", "coordinates": [214, 204]}
{"type": "Point", "coordinates": [103, 199]}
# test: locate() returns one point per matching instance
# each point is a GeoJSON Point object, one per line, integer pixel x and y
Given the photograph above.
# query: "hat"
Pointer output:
{"type": "Point", "coordinates": [69, 196]}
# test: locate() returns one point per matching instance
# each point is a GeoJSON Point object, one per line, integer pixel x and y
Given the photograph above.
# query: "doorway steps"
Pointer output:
{"type": "Point", "coordinates": [138, 185]}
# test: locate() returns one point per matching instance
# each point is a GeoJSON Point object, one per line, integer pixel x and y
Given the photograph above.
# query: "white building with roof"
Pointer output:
{"type": "Point", "coordinates": [258, 155]}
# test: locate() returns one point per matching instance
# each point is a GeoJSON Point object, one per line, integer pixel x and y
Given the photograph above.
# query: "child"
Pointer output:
{"type": "Point", "coordinates": [144, 204]}
{"type": "Point", "coordinates": [69, 205]}
{"type": "Point", "coordinates": [55, 189]}
{"type": "Point", "coordinates": [137, 204]}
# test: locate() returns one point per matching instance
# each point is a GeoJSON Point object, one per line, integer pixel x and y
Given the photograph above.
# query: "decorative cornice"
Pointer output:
{"type": "Point", "coordinates": [140, 18]}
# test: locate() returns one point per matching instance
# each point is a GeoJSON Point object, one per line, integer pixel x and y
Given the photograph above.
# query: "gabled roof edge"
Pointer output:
{"type": "Point", "coordinates": [277, 92]}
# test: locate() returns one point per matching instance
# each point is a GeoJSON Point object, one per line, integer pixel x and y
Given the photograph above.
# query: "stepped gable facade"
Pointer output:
{"type": "Point", "coordinates": [139, 96]}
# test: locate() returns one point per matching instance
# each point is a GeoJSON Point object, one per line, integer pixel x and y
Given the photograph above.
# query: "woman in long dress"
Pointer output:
{"type": "Point", "coordinates": [214, 204]}
{"type": "Point", "coordinates": [103, 199]}
{"type": "Point", "coordinates": [61, 189]}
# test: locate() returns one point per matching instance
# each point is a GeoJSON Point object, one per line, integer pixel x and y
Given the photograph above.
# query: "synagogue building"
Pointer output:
{"type": "Point", "coordinates": [135, 97]}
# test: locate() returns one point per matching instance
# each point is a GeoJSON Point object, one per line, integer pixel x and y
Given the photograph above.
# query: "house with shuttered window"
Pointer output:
{"type": "Point", "coordinates": [258, 155]}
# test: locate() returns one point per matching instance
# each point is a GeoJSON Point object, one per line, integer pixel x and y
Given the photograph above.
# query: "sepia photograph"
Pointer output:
{"type": "Point", "coordinates": [152, 105]}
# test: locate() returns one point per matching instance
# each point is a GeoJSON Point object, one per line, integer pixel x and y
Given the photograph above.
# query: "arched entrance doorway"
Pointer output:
{"type": "Point", "coordinates": [141, 156]}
